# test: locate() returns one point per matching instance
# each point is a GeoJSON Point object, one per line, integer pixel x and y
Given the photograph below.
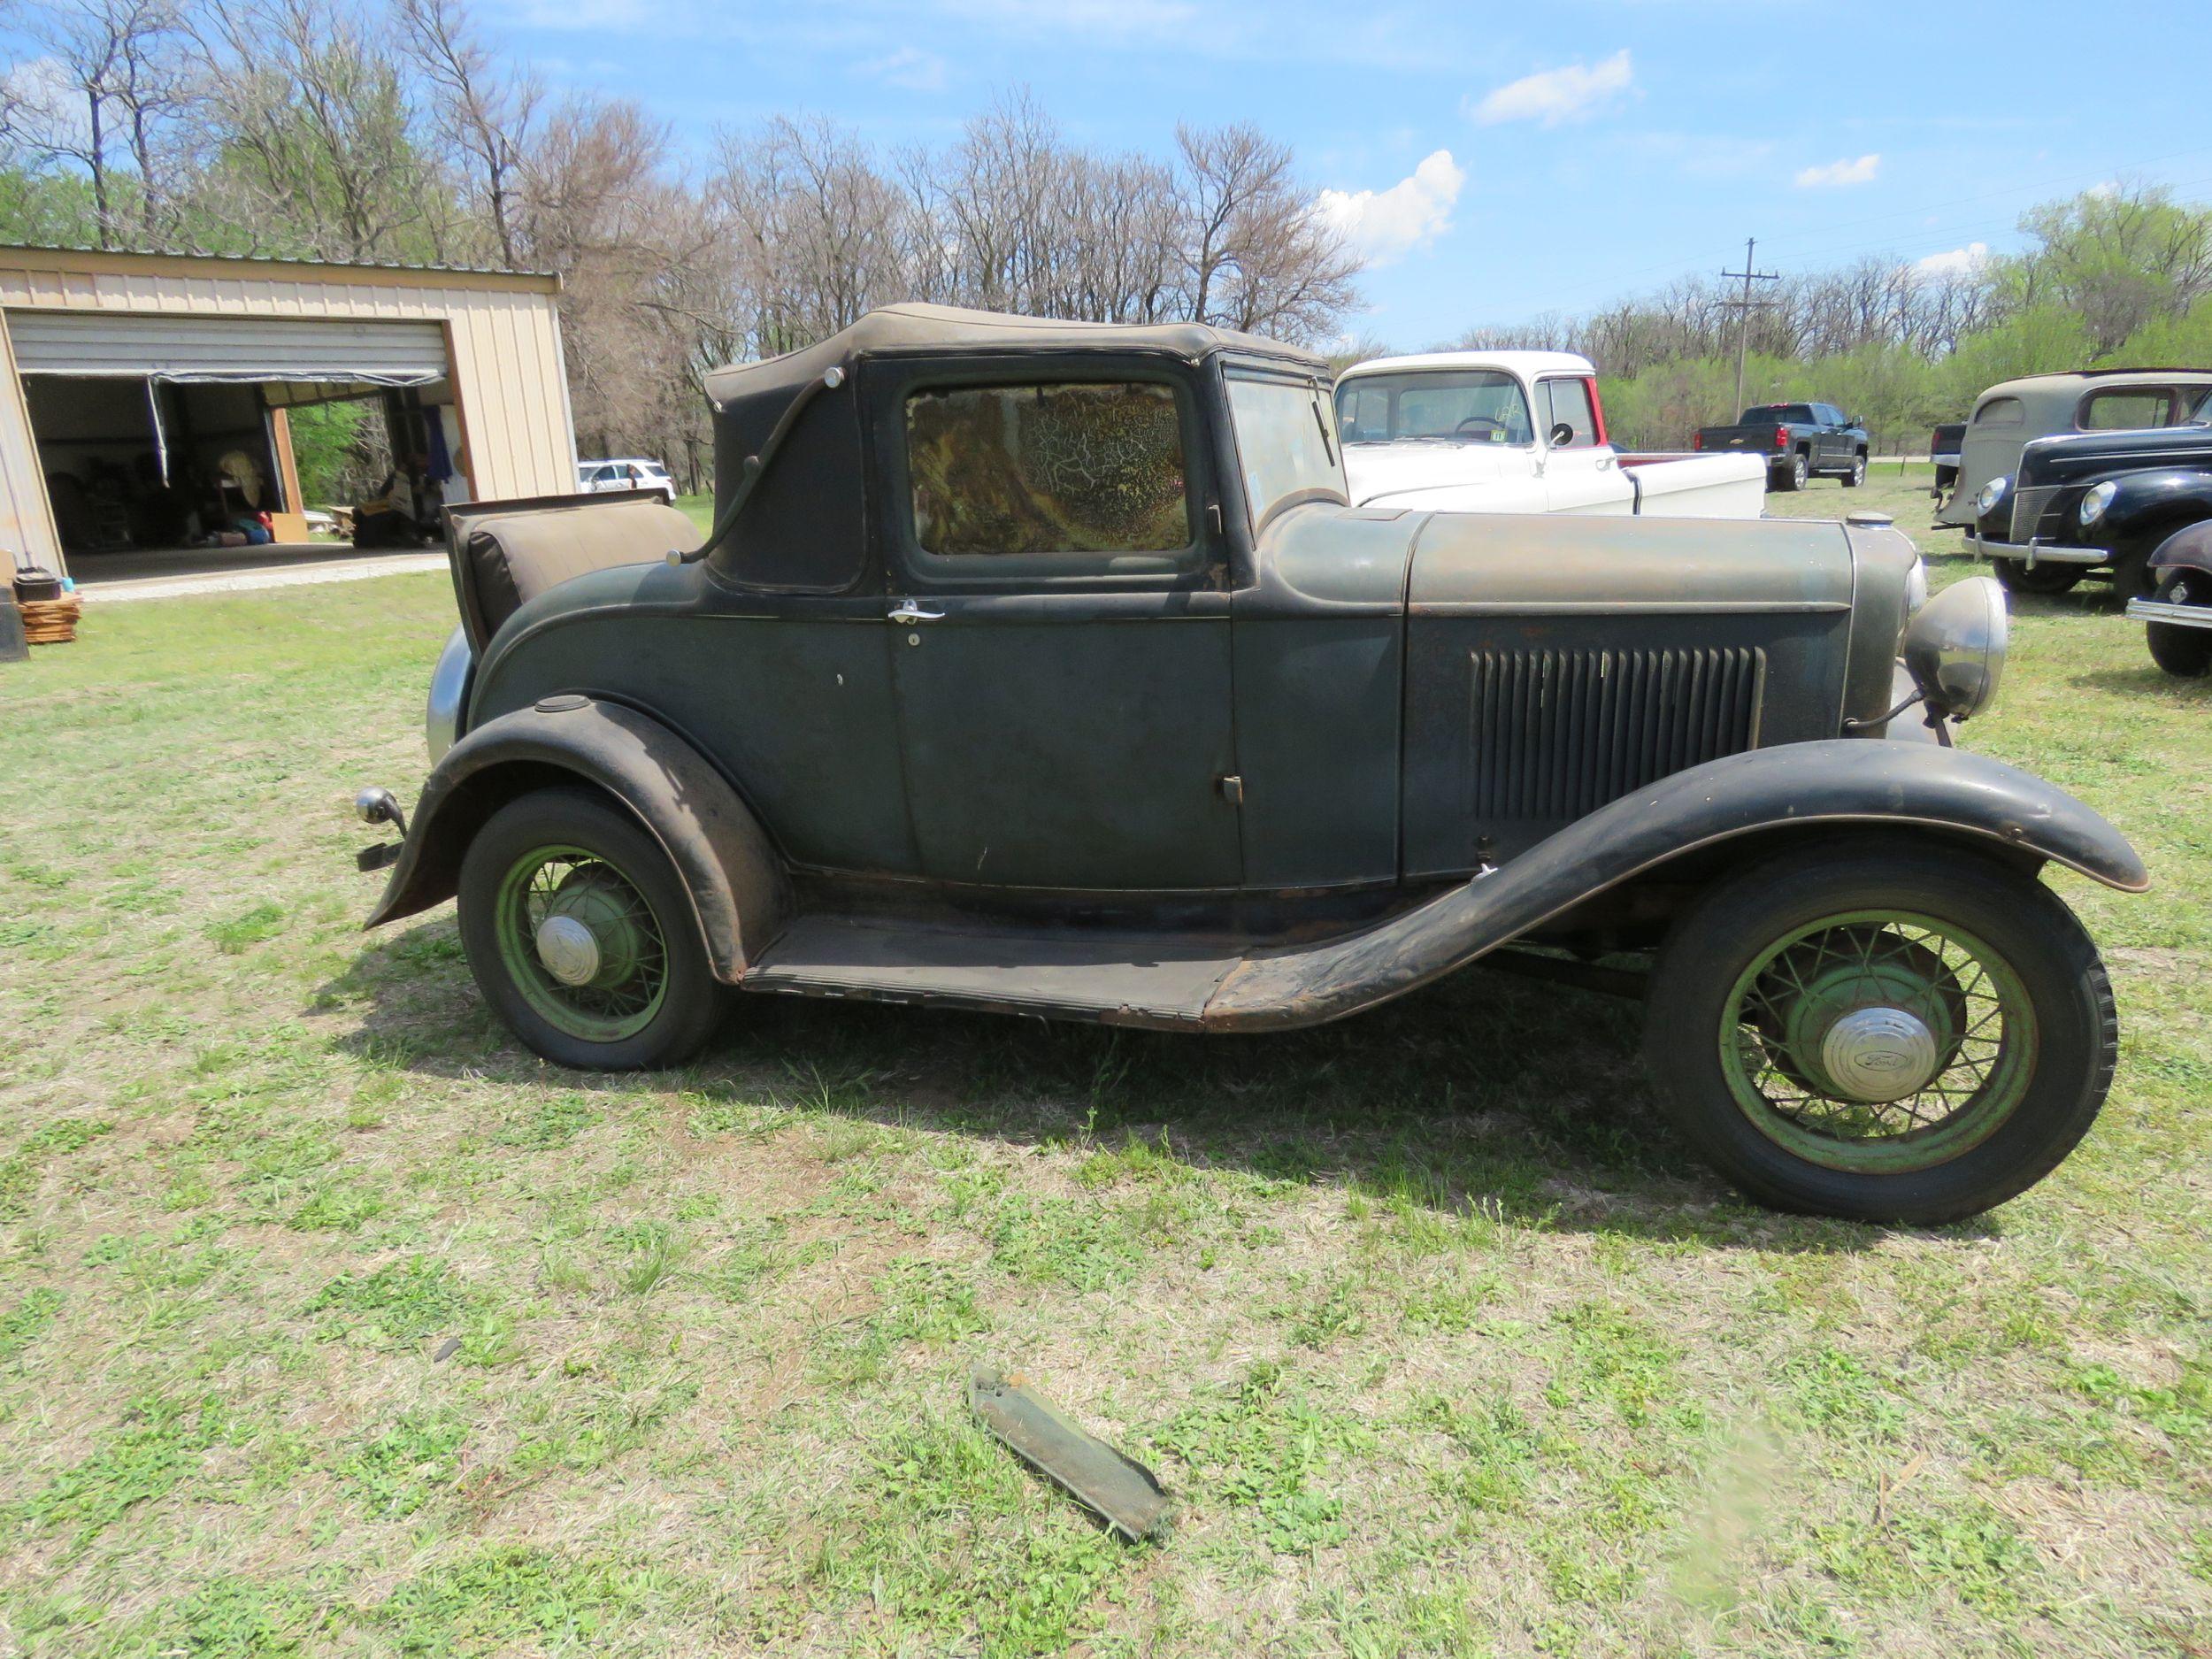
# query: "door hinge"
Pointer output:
{"type": "Point", "coordinates": [1213, 519]}
{"type": "Point", "coordinates": [1232, 789]}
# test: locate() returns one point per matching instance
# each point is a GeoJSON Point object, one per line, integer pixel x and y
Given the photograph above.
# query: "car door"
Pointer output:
{"type": "Point", "coordinates": [1580, 475]}
{"type": "Point", "coordinates": [1060, 644]}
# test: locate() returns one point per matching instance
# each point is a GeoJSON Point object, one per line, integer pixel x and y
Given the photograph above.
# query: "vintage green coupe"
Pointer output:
{"type": "Point", "coordinates": [1042, 668]}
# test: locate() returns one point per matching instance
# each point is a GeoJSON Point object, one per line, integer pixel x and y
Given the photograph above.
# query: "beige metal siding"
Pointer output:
{"type": "Point", "coordinates": [507, 372]}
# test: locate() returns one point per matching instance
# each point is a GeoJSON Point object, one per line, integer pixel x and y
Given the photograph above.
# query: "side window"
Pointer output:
{"type": "Point", "coordinates": [1055, 467]}
{"type": "Point", "coordinates": [1569, 401]}
{"type": "Point", "coordinates": [1999, 412]}
{"type": "Point", "coordinates": [2126, 406]}
{"type": "Point", "coordinates": [1364, 413]}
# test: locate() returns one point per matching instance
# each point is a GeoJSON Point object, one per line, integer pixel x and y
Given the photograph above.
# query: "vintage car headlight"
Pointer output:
{"type": "Point", "coordinates": [2096, 499]}
{"type": "Point", "coordinates": [1992, 493]}
{"type": "Point", "coordinates": [1955, 649]}
{"type": "Point", "coordinates": [1916, 586]}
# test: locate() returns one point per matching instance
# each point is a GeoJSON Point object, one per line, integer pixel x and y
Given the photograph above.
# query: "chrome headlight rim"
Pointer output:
{"type": "Point", "coordinates": [1916, 588]}
{"type": "Point", "coordinates": [1986, 498]}
{"type": "Point", "coordinates": [2096, 499]}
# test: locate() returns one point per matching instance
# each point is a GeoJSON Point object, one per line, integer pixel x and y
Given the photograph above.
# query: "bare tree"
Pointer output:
{"type": "Point", "coordinates": [483, 114]}
{"type": "Point", "coordinates": [111, 82]}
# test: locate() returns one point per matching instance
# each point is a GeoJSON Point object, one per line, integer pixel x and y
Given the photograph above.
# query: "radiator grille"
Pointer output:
{"type": "Point", "coordinates": [1559, 734]}
{"type": "Point", "coordinates": [2028, 508]}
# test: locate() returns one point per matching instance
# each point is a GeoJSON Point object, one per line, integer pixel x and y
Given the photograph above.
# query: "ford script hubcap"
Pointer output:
{"type": "Point", "coordinates": [566, 947]}
{"type": "Point", "coordinates": [1879, 1054]}
{"type": "Point", "coordinates": [1877, 1042]}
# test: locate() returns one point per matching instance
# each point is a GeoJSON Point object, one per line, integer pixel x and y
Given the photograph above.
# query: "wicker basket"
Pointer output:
{"type": "Point", "coordinates": [51, 621]}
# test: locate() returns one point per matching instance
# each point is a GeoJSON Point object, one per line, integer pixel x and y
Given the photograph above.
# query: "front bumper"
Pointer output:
{"type": "Point", "coordinates": [2171, 614]}
{"type": "Point", "coordinates": [2034, 553]}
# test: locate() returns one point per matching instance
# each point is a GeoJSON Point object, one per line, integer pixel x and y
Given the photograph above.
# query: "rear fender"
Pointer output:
{"type": "Point", "coordinates": [1841, 781]}
{"type": "Point", "coordinates": [738, 891]}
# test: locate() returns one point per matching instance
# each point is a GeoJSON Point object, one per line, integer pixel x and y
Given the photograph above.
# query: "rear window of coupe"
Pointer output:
{"type": "Point", "coordinates": [1046, 467]}
{"type": "Point", "coordinates": [2001, 411]}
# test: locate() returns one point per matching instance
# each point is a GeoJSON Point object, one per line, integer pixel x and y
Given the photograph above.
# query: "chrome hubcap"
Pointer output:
{"type": "Point", "coordinates": [1879, 1054]}
{"type": "Point", "coordinates": [568, 949]}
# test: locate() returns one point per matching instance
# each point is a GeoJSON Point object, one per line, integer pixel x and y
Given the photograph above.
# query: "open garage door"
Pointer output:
{"type": "Point", "coordinates": [298, 359]}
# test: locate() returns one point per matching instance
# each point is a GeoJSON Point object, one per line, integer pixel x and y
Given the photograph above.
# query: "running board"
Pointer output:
{"type": "Point", "coordinates": [1119, 977]}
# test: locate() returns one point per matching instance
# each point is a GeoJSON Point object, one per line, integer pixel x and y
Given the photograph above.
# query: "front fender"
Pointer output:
{"type": "Point", "coordinates": [2148, 499]}
{"type": "Point", "coordinates": [738, 891]}
{"type": "Point", "coordinates": [1836, 782]}
{"type": "Point", "coordinates": [2189, 548]}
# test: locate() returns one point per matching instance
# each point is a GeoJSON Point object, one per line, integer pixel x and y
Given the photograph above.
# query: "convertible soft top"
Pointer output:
{"type": "Point", "coordinates": [895, 329]}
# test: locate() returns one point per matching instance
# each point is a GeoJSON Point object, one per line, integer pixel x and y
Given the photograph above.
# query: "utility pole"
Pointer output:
{"type": "Point", "coordinates": [1743, 308]}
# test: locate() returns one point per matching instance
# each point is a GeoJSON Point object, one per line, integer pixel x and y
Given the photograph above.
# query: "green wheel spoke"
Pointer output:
{"type": "Point", "coordinates": [631, 981]}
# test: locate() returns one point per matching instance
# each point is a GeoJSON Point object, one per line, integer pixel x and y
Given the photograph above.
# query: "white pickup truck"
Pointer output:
{"type": "Point", "coordinates": [1516, 432]}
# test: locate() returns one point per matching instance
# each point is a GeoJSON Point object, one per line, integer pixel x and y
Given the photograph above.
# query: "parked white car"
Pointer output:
{"type": "Point", "coordinates": [597, 478]}
{"type": "Point", "coordinates": [1516, 432]}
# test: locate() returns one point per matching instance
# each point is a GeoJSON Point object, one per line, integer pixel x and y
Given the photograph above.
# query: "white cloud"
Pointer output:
{"type": "Point", "coordinates": [1958, 262]}
{"type": "Point", "coordinates": [1552, 95]}
{"type": "Point", "coordinates": [1388, 225]}
{"type": "Point", "coordinates": [1837, 173]}
{"type": "Point", "coordinates": [909, 67]}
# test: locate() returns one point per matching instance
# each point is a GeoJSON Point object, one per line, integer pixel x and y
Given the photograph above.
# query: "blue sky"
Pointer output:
{"type": "Point", "coordinates": [1651, 139]}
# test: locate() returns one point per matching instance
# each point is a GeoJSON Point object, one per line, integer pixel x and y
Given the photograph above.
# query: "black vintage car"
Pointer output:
{"type": "Point", "coordinates": [2100, 502]}
{"type": "Point", "coordinates": [1044, 669]}
{"type": "Point", "coordinates": [2177, 615]}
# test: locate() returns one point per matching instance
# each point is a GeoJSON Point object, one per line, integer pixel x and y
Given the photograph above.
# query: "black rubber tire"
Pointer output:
{"type": "Point", "coordinates": [2044, 580]}
{"type": "Point", "coordinates": [1724, 929]}
{"type": "Point", "coordinates": [2185, 653]}
{"type": "Point", "coordinates": [2132, 577]}
{"type": "Point", "coordinates": [1856, 475]}
{"type": "Point", "coordinates": [1794, 477]}
{"type": "Point", "coordinates": [693, 1003]}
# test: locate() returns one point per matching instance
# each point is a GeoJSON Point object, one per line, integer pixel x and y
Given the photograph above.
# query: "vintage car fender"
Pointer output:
{"type": "Point", "coordinates": [2147, 500]}
{"type": "Point", "coordinates": [1837, 782]}
{"type": "Point", "coordinates": [2187, 549]}
{"type": "Point", "coordinates": [739, 890]}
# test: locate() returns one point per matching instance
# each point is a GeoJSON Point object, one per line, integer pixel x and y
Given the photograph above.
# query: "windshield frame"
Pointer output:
{"type": "Point", "coordinates": [1329, 485]}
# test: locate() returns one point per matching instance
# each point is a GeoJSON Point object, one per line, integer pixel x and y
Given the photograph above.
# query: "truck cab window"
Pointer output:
{"type": "Point", "coordinates": [1568, 401]}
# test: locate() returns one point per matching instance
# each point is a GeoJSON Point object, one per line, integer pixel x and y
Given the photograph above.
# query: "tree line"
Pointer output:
{"type": "Point", "coordinates": [394, 131]}
{"type": "Point", "coordinates": [2110, 277]}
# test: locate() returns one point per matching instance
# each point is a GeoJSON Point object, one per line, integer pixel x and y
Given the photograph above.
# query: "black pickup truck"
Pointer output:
{"type": "Point", "coordinates": [1801, 441]}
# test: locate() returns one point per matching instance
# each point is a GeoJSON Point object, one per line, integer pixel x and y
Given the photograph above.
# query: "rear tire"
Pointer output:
{"type": "Point", "coordinates": [653, 1000]}
{"type": "Point", "coordinates": [1796, 475]}
{"type": "Point", "coordinates": [2185, 653]}
{"type": "Point", "coordinates": [2043, 580]}
{"type": "Point", "coordinates": [1741, 1022]}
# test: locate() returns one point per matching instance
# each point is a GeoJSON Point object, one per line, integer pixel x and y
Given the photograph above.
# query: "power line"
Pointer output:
{"type": "Point", "coordinates": [1744, 307]}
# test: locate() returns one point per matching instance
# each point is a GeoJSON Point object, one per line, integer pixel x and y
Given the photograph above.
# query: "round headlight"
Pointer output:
{"type": "Point", "coordinates": [1916, 586]}
{"type": "Point", "coordinates": [1955, 649]}
{"type": "Point", "coordinates": [2096, 499]}
{"type": "Point", "coordinates": [1992, 492]}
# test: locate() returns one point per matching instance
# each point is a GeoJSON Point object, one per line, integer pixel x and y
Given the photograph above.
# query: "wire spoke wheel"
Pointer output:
{"type": "Point", "coordinates": [581, 943]}
{"type": "Point", "coordinates": [1879, 1041]}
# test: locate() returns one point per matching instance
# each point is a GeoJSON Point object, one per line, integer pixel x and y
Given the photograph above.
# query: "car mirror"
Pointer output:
{"type": "Point", "coordinates": [1561, 435]}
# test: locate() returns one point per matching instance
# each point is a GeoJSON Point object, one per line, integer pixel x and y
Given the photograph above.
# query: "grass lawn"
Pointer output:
{"type": "Point", "coordinates": [331, 1321]}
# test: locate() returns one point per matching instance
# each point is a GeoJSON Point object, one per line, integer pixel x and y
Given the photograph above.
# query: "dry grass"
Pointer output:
{"type": "Point", "coordinates": [331, 1322]}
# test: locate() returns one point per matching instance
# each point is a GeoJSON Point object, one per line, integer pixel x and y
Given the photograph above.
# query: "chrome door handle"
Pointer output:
{"type": "Point", "coordinates": [909, 612]}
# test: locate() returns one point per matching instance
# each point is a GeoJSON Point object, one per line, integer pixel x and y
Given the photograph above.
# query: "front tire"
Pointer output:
{"type": "Point", "coordinates": [1856, 476]}
{"type": "Point", "coordinates": [582, 936]}
{"type": "Point", "coordinates": [2043, 581]}
{"type": "Point", "coordinates": [1790, 999]}
{"type": "Point", "coordinates": [2185, 653]}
